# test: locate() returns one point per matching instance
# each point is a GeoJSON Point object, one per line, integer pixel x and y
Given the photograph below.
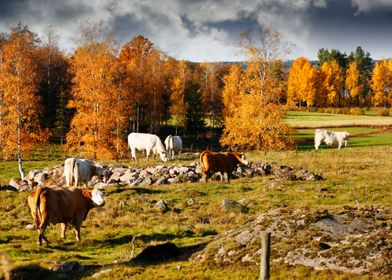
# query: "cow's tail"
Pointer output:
{"type": "Point", "coordinates": [37, 203]}
{"type": "Point", "coordinates": [202, 164]}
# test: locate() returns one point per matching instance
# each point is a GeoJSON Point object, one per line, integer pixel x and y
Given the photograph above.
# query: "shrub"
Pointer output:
{"type": "Point", "coordinates": [383, 112]}
{"type": "Point", "coordinates": [356, 111]}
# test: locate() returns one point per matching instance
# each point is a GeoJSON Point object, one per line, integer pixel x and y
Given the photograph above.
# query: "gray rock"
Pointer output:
{"type": "Point", "coordinates": [137, 182]}
{"type": "Point", "coordinates": [30, 227]}
{"type": "Point", "coordinates": [161, 205]}
{"type": "Point", "coordinates": [146, 181]}
{"type": "Point", "coordinates": [244, 237]}
{"type": "Point", "coordinates": [174, 180]}
{"type": "Point", "coordinates": [310, 176]}
{"type": "Point", "coordinates": [285, 173]}
{"type": "Point", "coordinates": [161, 181]}
{"type": "Point", "coordinates": [128, 176]}
{"type": "Point", "coordinates": [100, 185]}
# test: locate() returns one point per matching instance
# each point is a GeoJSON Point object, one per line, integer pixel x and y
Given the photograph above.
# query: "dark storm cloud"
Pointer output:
{"type": "Point", "coordinates": [210, 29]}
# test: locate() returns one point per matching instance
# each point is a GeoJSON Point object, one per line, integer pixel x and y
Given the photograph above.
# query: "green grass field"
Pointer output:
{"type": "Point", "coordinates": [356, 176]}
{"type": "Point", "coordinates": [300, 119]}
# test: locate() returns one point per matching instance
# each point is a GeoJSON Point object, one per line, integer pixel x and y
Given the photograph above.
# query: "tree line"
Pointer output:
{"type": "Point", "coordinates": [91, 99]}
{"type": "Point", "coordinates": [339, 80]}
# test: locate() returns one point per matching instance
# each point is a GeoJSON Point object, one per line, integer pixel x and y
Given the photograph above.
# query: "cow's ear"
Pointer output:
{"type": "Point", "coordinates": [87, 193]}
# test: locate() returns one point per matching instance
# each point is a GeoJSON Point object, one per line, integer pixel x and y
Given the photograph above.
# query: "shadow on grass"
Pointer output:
{"type": "Point", "coordinates": [35, 271]}
{"type": "Point", "coordinates": [165, 252]}
{"type": "Point", "coordinates": [138, 190]}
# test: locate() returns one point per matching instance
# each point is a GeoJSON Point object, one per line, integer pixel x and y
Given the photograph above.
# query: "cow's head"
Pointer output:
{"type": "Point", "coordinates": [97, 196]}
{"type": "Point", "coordinates": [244, 160]}
{"type": "Point", "coordinates": [163, 156]}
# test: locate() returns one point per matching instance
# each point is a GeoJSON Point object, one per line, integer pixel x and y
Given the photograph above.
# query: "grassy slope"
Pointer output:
{"type": "Point", "coordinates": [107, 232]}
{"type": "Point", "coordinates": [355, 175]}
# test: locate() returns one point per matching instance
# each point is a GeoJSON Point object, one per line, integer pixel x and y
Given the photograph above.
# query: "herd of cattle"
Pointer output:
{"type": "Point", "coordinates": [71, 205]}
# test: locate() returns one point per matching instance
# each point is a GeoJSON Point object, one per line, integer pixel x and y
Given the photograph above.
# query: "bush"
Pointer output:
{"type": "Point", "coordinates": [356, 111]}
{"type": "Point", "coordinates": [383, 112]}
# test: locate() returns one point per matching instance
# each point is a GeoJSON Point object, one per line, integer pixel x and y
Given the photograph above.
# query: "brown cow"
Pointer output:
{"type": "Point", "coordinates": [62, 205]}
{"type": "Point", "coordinates": [211, 162]}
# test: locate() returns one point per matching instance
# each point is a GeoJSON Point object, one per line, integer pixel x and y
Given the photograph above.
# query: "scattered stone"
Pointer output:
{"type": "Point", "coordinates": [101, 273]}
{"type": "Point", "coordinates": [285, 173]}
{"type": "Point", "coordinates": [161, 205]}
{"type": "Point", "coordinates": [161, 181]}
{"type": "Point", "coordinates": [310, 176]}
{"type": "Point", "coordinates": [30, 227]}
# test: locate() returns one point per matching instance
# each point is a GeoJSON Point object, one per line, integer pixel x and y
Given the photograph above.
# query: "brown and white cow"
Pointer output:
{"type": "Point", "coordinates": [62, 205]}
{"type": "Point", "coordinates": [211, 162]}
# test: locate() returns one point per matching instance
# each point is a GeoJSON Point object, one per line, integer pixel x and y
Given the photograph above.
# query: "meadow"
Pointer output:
{"type": "Point", "coordinates": [113, 236]}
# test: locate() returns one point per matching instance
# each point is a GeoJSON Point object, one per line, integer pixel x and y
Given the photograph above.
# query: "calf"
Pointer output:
{"type": "Point", "coordinates": [64, 206]}
{"type": "Point", "coordinates": [211, 162]}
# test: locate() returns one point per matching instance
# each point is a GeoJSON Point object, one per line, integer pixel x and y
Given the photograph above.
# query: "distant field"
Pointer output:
{"type": "Point", "coordinates": [314, 120]}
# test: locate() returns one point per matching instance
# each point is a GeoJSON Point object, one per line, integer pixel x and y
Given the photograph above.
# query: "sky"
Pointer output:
{"type": "Point", "coordinates": [209, 30]}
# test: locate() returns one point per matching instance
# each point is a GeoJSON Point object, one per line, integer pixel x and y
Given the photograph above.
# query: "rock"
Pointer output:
{"type": "Point", "coordinates": [285, 173]}
{"type": "Point", "coordinates": [30, 227]}
{"type": "Point", "coordinates": [161, 205]}
{"type": "Point", "coordinates": [144, 173]}
{"type": "Point", "coordinates": [41, 178]}
{"type": "Point", "coordinates": [146, 181]}
{"type": "Point", "coordinates": [173, 180]}
{"type": "Point", "coordinates": [25, 187]}
{"type": "Point", "coordinates": [100, 185]}
{"type": "Point", "coordinates": [190, 202]}
{"type": "Point", "coordinates": [243, 237]}
{"type": "Point", "coordinates": [128, 176]}
{"type": "Point", "coordinates": [230, 205]}
{"type": "Point", "coordinates": [137, 182]}
{"type": "Point", "coordinates": [67, 267]}
{"type": "Point", "coordinates": [15, 182]}
{"type": "Point", "coordinates": [32, 173]}
{"type": "Point", "coordinates": [101, 273]}
{"type": "Point", "coordinates": [117, 173]}
{"type": "Point", "coordinates": [310, 176]}
{"type": "Point", "coordinates": [183, 169]}
{"type": "Point", "coordinates": [161, 181]}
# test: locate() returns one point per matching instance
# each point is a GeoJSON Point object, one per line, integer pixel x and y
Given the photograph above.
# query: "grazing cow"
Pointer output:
{"type": "Point", "coordinates": [330, 138]}
{"type": "Point", "coordinates": [211, 162]}
{"type": "Point", "coordinates": [62, 205]}
{"type": "Point", "coordinates": [173, 145]}
{"type": "Point", "coordinates": [148, 142]}
{"type": "Point", "coordinates": [80, 170]}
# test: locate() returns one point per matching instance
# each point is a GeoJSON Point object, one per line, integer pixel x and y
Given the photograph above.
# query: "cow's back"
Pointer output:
{"type": "Point", "coordinates": [141, 141]}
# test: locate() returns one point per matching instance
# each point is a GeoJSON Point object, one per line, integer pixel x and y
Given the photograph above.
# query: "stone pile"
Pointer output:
{"type": "Point", "coordinates": [156, 175]}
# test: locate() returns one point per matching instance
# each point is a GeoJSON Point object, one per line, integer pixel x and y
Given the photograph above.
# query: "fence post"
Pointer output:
{"type": "Point", "coordinates": [265, 256]}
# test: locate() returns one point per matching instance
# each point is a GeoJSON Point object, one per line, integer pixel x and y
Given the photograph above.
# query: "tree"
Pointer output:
{"type": "Point", "coordinates": [96, 127]}
{"type": "Point", "coordinates": [211, 92]}
{"type": "Point", "coordinates": [257, 121]}
{"type": "Point", "coordinates": [55, 85]}
{"type": "Point", "coordinates": [302, 83]}
{"type": "Point", "coordinates": [134, 55]}
{"type": "Point", "coordinates": [331, 83]}
{"type": "Point", "coordinates": [353, 83]}
{"type": "Point", "coordinates": [324, 55]}
{"type": "Point", "coordinates": [180, 82]}
{"type": "Point", "coordinates": [19, 125]}
{"type": "Point", "coordinates": [365, 66]}
{"type": "Point", "coordinates": [381, 83]}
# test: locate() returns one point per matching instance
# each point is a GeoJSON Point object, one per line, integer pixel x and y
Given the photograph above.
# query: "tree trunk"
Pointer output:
{"type": "Point", "coordinates": [20, 163]}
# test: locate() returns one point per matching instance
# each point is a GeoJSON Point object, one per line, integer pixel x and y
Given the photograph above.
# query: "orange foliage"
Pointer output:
{"type": "Point", "coordinates": [19, 103]}
{"type": "Point", "coordinates": [302, 83]}
{"type": "Point", "coordinates": [99, 104]}
{"type": "Point", "coordinates": [353, 80]}
{"type": "Point", "coordinates": [331, 83]}
{"type": "Point", "coordinates": [381, 83]}
{"type": "Point", "coordinates": [255, 120]}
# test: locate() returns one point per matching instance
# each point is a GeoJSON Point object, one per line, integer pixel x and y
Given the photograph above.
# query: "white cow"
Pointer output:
{"type": "Point", "coordinates": [330, 138]}
{"type": "Point", "coordinates": [173, 145]}
{"type": "Point", "coordinates": [80, 170]}
{"type": "Point", "coordinates": [148, 142]}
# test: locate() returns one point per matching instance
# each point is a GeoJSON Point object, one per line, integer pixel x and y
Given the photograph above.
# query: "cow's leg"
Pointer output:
{"type": "Point", "coordinates": [77, 232]}
{"type": "Point", "coordinates": [41, 229]}
{"type": "Point", "coordinates": [133, 152]}
{"type": "Point", "coordinates": [228, 177]}
{"type": "Point", "coordinates": [205, 177]}
{"type": "Point", "coordinates": [147, 153]}
{"type": "Point", "coordinates": [63, 229]}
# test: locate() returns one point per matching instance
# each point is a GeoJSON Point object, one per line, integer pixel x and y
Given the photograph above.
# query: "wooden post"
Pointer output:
{"type": "Point", "coordinates": [265, 256]}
